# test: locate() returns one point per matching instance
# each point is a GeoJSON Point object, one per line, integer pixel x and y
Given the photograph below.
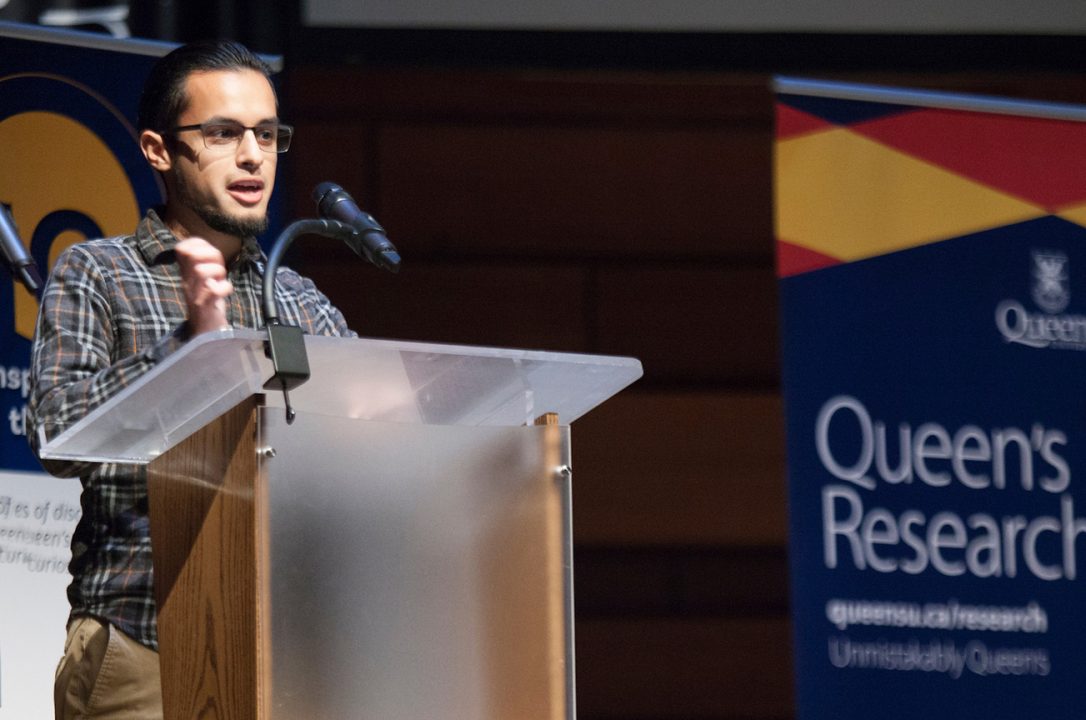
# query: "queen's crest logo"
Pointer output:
{"type": "Point", "coordinates": [1050, 284]}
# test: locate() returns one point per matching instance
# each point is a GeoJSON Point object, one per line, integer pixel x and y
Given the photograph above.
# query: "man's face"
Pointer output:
{"type": "Point", "coordinates": [224, 189]}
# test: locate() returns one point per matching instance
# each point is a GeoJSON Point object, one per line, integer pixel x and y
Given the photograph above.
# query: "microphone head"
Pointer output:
{"type": "Point", "coordinates": [325, 191]}
{"type": "Point", "coordinates": [388, 260]}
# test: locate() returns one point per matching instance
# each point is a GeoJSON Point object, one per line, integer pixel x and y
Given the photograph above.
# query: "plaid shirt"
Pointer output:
{"type": "Point", "coordinates": [111, 310]}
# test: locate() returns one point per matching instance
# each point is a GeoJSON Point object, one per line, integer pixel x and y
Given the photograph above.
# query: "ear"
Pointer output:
{"type": "Point", "coordinates": [154, 149]}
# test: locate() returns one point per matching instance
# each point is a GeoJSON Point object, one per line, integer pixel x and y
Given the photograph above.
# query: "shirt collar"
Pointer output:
{"type": "Point", "coordinates": [155, 239]}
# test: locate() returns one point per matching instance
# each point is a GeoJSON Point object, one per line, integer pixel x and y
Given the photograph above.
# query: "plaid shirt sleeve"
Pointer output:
{"type": "Point", "coordinates": [73, 369]}
{"type": "Point", "coordinates": [301, 303]}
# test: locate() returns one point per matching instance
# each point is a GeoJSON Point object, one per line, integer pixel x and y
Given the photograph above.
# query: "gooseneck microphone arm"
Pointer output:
{"type": "Point", "coordinates": [286, 344]}
{"type": "Point", "coordinates": [326, 228]}
{"type": "Point", "coordinates": [340, 219]}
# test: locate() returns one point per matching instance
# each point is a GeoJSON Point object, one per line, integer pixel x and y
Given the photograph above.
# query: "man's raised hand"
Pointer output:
{"type": "Point", "coordinates": [203, 279]}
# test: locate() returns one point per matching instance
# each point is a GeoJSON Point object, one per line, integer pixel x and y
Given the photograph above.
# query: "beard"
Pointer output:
{"type": "Point", "coordinates": [216, 218]}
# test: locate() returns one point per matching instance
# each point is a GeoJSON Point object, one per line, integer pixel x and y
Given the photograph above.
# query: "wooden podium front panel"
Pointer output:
{"type": "Point", "coordinates": [209, 568]}
{"type": "Point", "coordinates": [418, 571]}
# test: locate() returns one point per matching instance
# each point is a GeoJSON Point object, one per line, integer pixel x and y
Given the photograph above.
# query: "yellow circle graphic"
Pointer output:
{"type": "Point", "coordinates": [51, 162]}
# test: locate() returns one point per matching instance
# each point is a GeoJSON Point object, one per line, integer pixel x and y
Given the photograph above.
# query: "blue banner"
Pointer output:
{"type": "Point", "coordinates": [72, 170]}
{"type": "Point", "coordinates": [932, 254]}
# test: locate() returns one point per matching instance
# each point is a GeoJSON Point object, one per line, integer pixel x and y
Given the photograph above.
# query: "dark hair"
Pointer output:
{"type": "Point", "coordinates": [163, 97]}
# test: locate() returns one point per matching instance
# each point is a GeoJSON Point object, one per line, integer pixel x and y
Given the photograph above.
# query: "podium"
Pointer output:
{"type": "Point", "coordinates": [403, 549]}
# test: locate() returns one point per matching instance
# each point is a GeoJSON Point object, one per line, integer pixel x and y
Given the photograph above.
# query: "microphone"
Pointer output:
{"type": "Point", "coordinates": [15, 255]}
{"type": "Point", "coordinates": [286, 343]}
{"type": "Point", "coordinates": [369, 239]}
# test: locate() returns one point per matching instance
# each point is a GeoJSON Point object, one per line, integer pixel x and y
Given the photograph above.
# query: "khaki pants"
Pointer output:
{"type": "Point", "coordinates": [106, 675]}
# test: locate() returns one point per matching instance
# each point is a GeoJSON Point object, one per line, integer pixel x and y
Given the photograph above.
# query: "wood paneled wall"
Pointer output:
{"type": "Point", "coordinates": [604, 212]}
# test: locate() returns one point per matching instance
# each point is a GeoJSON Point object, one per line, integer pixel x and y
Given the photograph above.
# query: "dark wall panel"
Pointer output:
{"type": "Point", "coordinates": [544, 189]}
{"type": "Point", "coordinates": [501, 304]}
{"type": "Point", "coordinates": [708, 323]}
{"type": "Point", "coordinates": [688, 469]}
{"type": "Point", "coordinates": [684, 668]}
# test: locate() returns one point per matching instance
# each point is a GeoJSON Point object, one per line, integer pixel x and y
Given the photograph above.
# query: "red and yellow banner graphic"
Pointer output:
{"type": "Point", "coordinates": [935, 180]}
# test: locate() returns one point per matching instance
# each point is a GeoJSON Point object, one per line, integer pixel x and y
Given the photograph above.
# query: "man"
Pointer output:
{"type": "Point", "coordinates": [115, 307]}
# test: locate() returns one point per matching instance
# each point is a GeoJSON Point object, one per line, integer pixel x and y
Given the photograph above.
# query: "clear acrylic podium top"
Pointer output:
{"type": "Point", "coordinates": [366, 379]}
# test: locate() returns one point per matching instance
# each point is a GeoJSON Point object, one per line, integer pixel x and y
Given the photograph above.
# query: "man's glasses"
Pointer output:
{"type": "Point", "coordinates": [226, 136]}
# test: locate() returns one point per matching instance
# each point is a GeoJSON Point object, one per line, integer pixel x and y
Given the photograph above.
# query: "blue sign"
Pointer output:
{"type": "Point", "coordinates": [936, 432]}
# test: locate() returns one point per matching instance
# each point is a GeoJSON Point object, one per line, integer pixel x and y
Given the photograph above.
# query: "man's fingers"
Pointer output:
{"type": "Point", "coordinates": [220, 287]}
{"type": "Point", "coordinates": [203, 269]}
{"type": "Point", "coordinates": [203, 276]}
{"type": "Point", "coordinates": [197, 254]}
{"type": "Point", "coordinates": [210, 275]}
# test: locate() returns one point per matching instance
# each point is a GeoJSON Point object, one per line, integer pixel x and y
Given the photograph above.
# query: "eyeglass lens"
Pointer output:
{"type": "Point", "coordinates": [271, 137]}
